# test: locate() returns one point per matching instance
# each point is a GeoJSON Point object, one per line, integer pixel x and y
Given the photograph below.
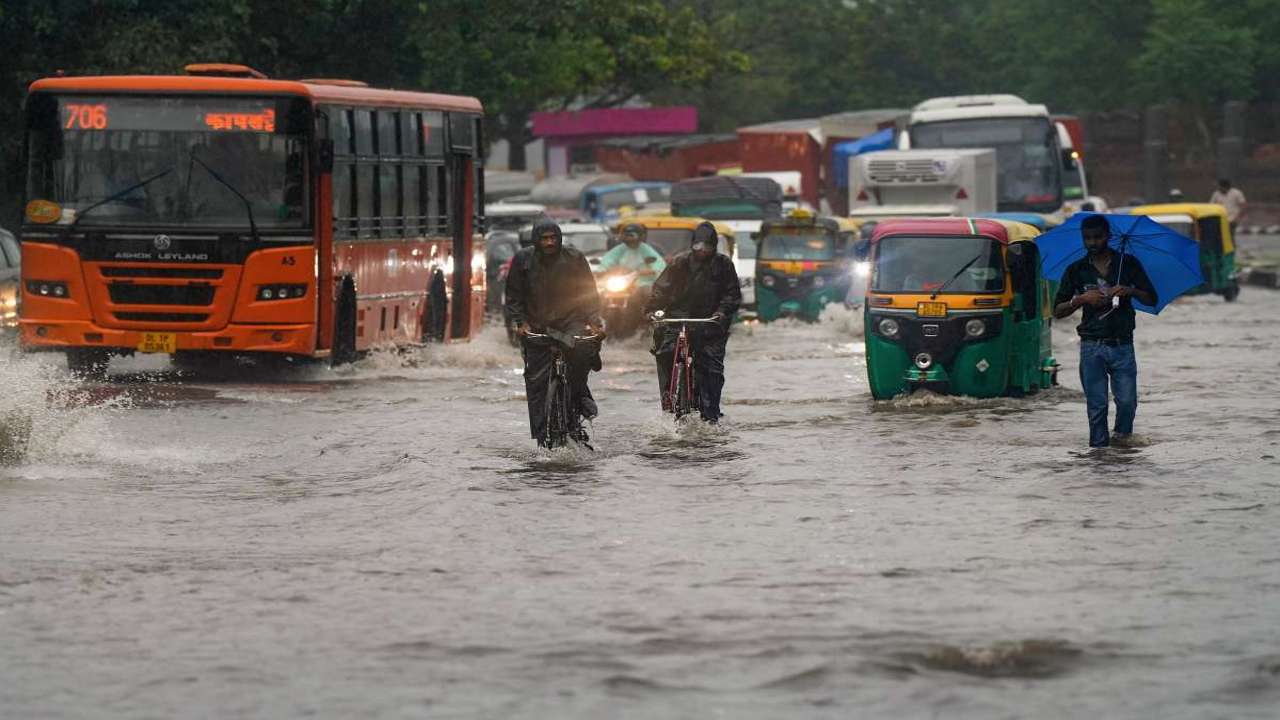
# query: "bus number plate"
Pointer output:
{"type": "Point", "coordinates": [931, 309]}
{"type": "Point", "coordinates": [154, 342]}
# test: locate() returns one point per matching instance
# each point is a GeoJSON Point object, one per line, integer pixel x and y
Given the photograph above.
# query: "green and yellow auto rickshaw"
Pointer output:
{"type": "Point", "coordinates": [1206, 223]}
{"type": "Point", "coordinates": [802, 265]}
{"type": "Point", "coordinates": [957, 306]}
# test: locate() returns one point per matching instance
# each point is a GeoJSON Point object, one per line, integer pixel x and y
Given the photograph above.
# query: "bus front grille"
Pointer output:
{"type": "Point", "coordinates": [128, 294]}
{"type": "Point", "coordinates": [162, 272]}
{"type": "Point", "coordinates": [161, 317]}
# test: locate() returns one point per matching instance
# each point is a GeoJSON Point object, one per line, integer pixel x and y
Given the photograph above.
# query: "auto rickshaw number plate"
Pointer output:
{"type": "Point", "coordinates": [931, 309]}
{"type": "Point", "coordinates": [154, 342]}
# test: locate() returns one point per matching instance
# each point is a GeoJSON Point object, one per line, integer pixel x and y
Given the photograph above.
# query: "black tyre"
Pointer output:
{"type": "Point", "coordinates": [558, 425]}
{"type": "Point", "coordinates": [344, 327]}
{"type": "Point", "coordinates": [683, 401]}
{"type": "Point", "coordinates": [1231, 292]}
{"type": "Point", "coordinates": [88, 362]}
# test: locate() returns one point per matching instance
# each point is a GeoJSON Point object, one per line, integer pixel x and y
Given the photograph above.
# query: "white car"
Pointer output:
{"type": "Point", "coordinates": [744, 257]}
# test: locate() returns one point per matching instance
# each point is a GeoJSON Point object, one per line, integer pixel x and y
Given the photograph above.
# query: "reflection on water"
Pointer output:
{"type": "Point", "coordinates": [385, 540]}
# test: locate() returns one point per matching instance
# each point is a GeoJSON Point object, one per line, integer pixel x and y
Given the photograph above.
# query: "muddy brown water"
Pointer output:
{"type": "Point", "coordinates": [384, 541]}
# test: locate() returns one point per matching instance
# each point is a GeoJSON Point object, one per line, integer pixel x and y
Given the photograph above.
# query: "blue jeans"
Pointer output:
{"type": "Point", "coordinates": [1097, 362]}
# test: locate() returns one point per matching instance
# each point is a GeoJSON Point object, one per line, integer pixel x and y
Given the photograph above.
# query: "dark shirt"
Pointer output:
{"type": "Point", "coordinates": [1104, 323]}
{"type": "Point", "coordinates": [556, 292]}
{"type": "Point", "coordinates": [688, 288]}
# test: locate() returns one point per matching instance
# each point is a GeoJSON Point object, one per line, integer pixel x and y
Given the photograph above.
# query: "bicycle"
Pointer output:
{"type": "Point", "coordinates": [562, 420]}
{"type": "Point", "coordinates": [682, 393]}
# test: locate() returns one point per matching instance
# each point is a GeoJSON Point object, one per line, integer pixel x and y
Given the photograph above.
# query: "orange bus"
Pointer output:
{"type": "Point", "coordinates": [224, 213]}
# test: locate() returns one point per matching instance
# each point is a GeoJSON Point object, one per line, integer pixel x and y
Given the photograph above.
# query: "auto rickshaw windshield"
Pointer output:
{"type": "Point", "coordinates": [914, 264]}
{"type": "Point", "coordinates": [797, 247]}
{"type": "Point", "coordinates": [669, 241]}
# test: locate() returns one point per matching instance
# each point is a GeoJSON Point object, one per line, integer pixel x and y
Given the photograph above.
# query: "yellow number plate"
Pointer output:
{"type": "Point", "coordinates": [153, 342]}
{"type": "Point", "coordinates": [931, 309]}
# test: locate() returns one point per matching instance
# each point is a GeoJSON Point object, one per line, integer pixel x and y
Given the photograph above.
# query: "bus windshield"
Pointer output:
{"type": "Point", "coordinates": [797, 247]}
{"type": "Point", "coordinates": [196, 151]}
{"type": "Point", "coordinates": [924, 264]}
{"type": "Point", "coordinates": [1027, 160]}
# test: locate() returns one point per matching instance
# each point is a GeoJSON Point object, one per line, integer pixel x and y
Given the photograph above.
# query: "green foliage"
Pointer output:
{"type": "Point", "coordinates": [1192, 57]}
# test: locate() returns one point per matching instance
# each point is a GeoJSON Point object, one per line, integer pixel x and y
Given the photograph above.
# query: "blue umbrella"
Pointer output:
{"type": "Point", "coordinates": [1172, 261]}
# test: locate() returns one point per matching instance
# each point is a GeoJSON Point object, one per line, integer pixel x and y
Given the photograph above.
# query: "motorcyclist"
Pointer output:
{"type": "Point", "coordinates": [635, 255]}
{"type": "Point", "coordinates": [698, 283]}
{"type": "Point", "coordinates": [550, 289]}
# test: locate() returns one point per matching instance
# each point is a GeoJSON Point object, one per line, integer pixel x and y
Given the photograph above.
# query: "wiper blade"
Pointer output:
{"type": "Point", "coordinates": [116, 196]}
{"type": "Point", "coordinates": [248, 207]}
{"type": "Point", "coordinates": [950, 280]}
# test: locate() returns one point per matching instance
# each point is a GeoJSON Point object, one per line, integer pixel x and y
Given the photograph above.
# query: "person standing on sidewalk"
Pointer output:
{"type": "Point", "coordinates": [1104, 283]}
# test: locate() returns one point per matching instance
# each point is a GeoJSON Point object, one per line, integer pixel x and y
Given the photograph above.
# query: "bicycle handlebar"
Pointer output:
{"type": "Point", "coordinates": [544, 336]}
{"type": "Point", "coordinates": [673, 321]}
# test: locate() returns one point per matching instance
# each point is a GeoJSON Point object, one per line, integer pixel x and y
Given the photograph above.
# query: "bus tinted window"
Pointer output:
{"type": "Point", "coordinates": [340, 131]}
{"type": "Point", "coordinates": [366, 208]}
{"type": "Point", "coordinates": [364, 132]}
{"type": "Point", "coordinates": [412, 195]}
{"type": "Point", "coordinates": [461, 137]}
{"type": "Point", "coordinates": [433, 133]}
{"type": "Point", "coordinates": [389, 200]}
{"type": "Point", "coordinates": [343, 198]}
{"type": "Point", "coordinates": [388, 133]}
{"type": "Point", "coordinates": [410, 133]}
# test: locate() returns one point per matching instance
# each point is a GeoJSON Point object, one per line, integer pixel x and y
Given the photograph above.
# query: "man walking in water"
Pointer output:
{"type": "Point", "coordinates": [1104, 283]}
{"type": "Point", "coordinates": [698, 283]}
{"type": "Point", "coordinates": [550, 288]}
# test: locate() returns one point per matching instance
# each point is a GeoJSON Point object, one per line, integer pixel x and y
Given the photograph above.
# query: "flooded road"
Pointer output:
{"type": "Point", "coordinates": [384, 541]}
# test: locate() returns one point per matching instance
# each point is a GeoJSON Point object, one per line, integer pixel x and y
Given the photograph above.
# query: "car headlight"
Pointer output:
{"type": "Point", "coordinates": [617, 283]}
{"type": "Point", "coordinates": [862, 269]}
{"type": "Point", "coordinates": [975, 328]}
{"type": "Point", "coordinates": [889, 327]}
{"type": "Point", "coordinates": [819, 281]}
{"type": "Point", "coordinates": [767, 281]}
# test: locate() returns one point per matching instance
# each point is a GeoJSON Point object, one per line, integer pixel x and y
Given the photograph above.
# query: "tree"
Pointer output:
{"type": "Point", "coordinates": [1193, 59]}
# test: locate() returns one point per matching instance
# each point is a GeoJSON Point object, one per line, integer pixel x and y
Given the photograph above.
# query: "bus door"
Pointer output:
{"type": "Point", "coordinates": [464, 142]}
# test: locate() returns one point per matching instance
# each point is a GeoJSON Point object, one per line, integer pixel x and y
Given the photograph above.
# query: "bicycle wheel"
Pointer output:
{"type": "Point", "coordinates": [683, 400]}
{"type": "Point", "coordinates": [556, 428]}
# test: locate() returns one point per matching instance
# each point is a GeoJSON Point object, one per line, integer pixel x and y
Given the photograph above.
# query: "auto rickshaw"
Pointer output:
{"type": "Point", "coordinates": [802, 265]}
{"type": "Point", "coordinates": [1206, 223]}
{"type": "Point", "coordinates": [958, 306]}
{"type": "Point", "coordinates": [673, 235]}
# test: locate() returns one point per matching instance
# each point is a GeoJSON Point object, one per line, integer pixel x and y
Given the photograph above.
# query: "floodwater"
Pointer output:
{"type": "Point", "coordinates": [384, 540]}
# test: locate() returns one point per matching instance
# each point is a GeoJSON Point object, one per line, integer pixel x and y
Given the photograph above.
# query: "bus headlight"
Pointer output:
{"type": "Point", "coordinates": [48, 288]}
{"type": "Point", "coordinates": [888, 327]}
{"type": "Point", "coordinates": [975, 328]}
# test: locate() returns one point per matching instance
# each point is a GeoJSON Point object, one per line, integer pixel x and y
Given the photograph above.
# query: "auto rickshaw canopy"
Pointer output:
{"type": "Point", "coordinates": [1198, 211]}
{"type": "Point", "coordinates": [998, 230]}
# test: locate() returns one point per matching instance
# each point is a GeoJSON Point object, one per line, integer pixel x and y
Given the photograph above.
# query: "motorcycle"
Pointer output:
{"type": "Point", "coordinates": [621, 302]}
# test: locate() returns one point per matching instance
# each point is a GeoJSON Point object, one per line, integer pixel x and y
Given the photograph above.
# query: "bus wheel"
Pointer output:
{"type": "Point", "coordinates": [344, 328]}
{"type": "Point", "coordinates": [88, 362]}
{"type": "Point", "coordinates": [1231, 292]}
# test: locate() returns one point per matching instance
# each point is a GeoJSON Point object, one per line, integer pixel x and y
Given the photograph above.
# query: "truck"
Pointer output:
{"type": "Point", "coordinates": [927, 180]}
{"type": "Point", "coordinates": [1030, 161]}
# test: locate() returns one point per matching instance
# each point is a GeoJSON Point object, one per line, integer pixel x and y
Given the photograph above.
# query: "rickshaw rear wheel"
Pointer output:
{"type": "Point", "coordinates": [1231, 292]}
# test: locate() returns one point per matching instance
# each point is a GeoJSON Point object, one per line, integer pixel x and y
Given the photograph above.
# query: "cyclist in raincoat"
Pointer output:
{"type": "Point", "coordinates": [551, 289]}
{"type": "Point", "coordinates": [698, 283]}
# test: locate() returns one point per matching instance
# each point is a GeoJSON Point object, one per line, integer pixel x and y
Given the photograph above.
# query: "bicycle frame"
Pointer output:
{"type": "Point", "coordinates": [561, 419]}
{"type": "Point", "coordinates": [682, 392]}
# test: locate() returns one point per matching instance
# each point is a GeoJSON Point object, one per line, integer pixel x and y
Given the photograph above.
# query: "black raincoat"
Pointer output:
{"type": "Point", "coordinates": [554, 292]}
{"type": "Point", "coordinates": [695, 288]}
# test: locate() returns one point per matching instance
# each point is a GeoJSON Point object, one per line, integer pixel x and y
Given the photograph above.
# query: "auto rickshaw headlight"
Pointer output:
{"type": "Point", "coordinates": [888, 327]}
{"type": "Point", "coordinates": [819, 281]}
{"type": "Point", "coordinates": [974, 328]}
{"type": "Point", "coordinates": [924, 360]}
{"type": "Point", "coordinates": [767, 281]}
{"type": "Point", "coordinates": [862, 269]}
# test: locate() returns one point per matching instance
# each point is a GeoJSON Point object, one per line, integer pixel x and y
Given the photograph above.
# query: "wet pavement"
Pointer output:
{"type": "Point", "coordinates": [384, 540]}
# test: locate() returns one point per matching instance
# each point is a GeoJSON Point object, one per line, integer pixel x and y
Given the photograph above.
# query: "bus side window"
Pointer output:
{"type": "Point", "coordinates": [390, 224]}
{"type": "Point", "coordinates": [412, 189]}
